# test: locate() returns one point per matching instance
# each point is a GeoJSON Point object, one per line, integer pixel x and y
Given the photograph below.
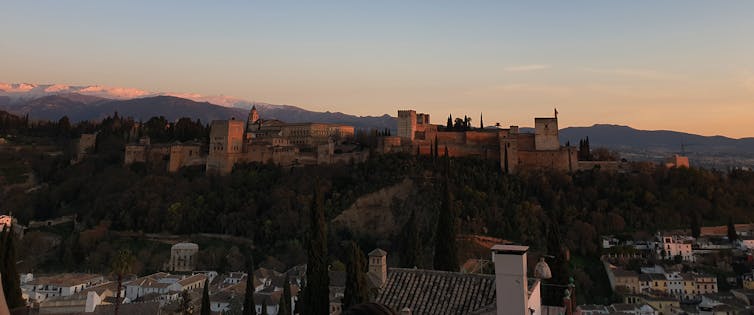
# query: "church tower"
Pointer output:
{"type": "Point", "coordinates": [253, 118]}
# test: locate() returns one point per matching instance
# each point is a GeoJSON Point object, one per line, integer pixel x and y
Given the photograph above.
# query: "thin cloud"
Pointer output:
{"type": "Point", "coordinates": [646, 74]}
{"type": "Point", "coordinates": [527, 68]}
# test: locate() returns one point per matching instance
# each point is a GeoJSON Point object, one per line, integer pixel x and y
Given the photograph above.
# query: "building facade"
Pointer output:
{"type": "Point", "coordinates": [513, 149]}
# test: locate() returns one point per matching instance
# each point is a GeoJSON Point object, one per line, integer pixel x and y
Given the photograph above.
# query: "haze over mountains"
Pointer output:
{"type": "Point", "coordinates": [51, 101]}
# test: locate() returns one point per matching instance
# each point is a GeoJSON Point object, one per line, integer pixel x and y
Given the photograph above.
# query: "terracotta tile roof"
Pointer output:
{"type": "Point", "coordinates": [67, 279]}
{"type": "Point", "coordinates": [192, 279]}
{"type": "Point", "coordinates": [437, 292]}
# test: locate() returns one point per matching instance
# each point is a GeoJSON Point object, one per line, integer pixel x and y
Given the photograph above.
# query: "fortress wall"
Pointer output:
{"type": "Point", "coordinates": [525, 141]}
{"type": "Point", "coordinates": [556, 159]}
{"type": "Point", "coordinates": [481, 138]}
{"type": "Point", "coordinates": [449, 137]}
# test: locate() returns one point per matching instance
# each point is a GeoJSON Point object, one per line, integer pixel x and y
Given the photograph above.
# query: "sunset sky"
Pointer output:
{"type": "Point", "coordinates": [678, 65]}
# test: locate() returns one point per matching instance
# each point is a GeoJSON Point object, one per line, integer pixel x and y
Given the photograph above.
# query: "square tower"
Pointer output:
{"type": "Point", "coordinates": [546, 134]}
{"type": "Point", "coordinates": [225, 145]}
{"type": "Point", "coordinates": [407, 124]}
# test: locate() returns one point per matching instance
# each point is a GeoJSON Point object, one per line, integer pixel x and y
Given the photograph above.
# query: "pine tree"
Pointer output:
{"type": "Point", "coordinates": [446, 256]}
{"type": "Point", "coordinates": [356, 281]}
{"type": "Point", "coordinates": [411, 243]}
{"type": "Point", "coordinates": [248, 301]}
{"type": "Point", "coordinates": [11, 282]}
{"type": "Point", "coordinates": [205, 299]}
{"type": "Point", "coordinates": [317, 298]}
{"type": "Point", "coordinates": [285, 301]}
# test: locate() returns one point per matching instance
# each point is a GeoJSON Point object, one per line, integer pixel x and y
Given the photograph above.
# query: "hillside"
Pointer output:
{"type": "Point", "coordinates": [80, 107]}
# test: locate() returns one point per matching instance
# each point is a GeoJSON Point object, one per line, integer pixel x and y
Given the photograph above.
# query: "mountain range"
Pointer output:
{"type": "Point", "coordinates": [51, 101]}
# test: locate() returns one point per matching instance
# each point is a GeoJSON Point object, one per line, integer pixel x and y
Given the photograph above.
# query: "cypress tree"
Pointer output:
{"type": "Point", "coordinates": [446, 256]}
{"type": "Point", "coordinates": [732, 236]}
{"type": "Point", "coordinates": [356, 281]}
{"type": "Point", "coordinates": [411, 243]}
{"type": "Point", "coordinates": [435, 153]}
{"type": "Point", "coordinates": [205, 299]}
{"type": "Point", "coordinates": [317, 293]}
{"type": "Point", "coordinates": [696, 228]}
{"type": "Point", "coordinates": [248, 299]}
{"type": "Point", "coordinates": [264, 306]}
{"type": "Point", "coordinates": [450, 122]}
{"type": "Point", "coordinates": [285, 301]}
{"type": "Point", "coordinates": [11, 282]}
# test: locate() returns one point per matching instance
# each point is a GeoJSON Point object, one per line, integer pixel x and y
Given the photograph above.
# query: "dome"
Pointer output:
{"type": "Point", "coordinates": [542, 270]}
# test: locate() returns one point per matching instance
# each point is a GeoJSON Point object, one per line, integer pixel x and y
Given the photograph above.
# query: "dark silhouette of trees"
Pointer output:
{"type": "Point", "coordinates": [121, 265]}
{"type": "Point", "coordinates": [317, 292]}
{"type": "Point", "coordinates": [10, 280]}
{"type": "Point", "coordinates": [357, 290]}
{"type": "Point", "coordinates": [248, 298]}
{"type": "Point", "coordinates": [206, 310]}
{"type": "Point", "coordinates": [285, 301]}
{"type": "Point", "coordinates": [732, 235]}
{"type": "Point", "coordinates": [411, 243]}
{"type": "Point", "coordinates": [446, 256]}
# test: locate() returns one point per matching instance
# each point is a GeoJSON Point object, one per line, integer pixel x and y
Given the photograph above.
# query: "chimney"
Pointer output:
{"type": "Point", "coordinates": [511, 283]}
{"type": "Point", "coordinates": [378, 265]}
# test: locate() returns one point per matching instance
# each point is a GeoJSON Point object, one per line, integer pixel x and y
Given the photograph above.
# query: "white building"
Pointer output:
{"type": "Point", "coordinates": [59, 285]}
{"type": "Point", "coordinates": [163, 286]}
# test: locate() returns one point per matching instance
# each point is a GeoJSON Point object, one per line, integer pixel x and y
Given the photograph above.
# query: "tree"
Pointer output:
{"type": "Point", "coordinates": [446, 256]}
{"type": "Point", "coordinates": [10, 281]}
{"type": "Point", "coordinates": [121, 265]}
{"type": "Point", "coordinates": [248, 300]}
{"type": "Point", "coordinates": [317, 298]}
{"type": "Point", "coordinates": [732, 236]}
{"type": "Point", "coordinates": [356, 291]}
{"type": "Point", "coordinates": [696, 229]}
{"type": "Point", "coordinates": [449, 125]}
{"type": "Point", "coordinates": [285, 301]}
{"type": "Point", "coordinates": [264, 306]}
{"type": "Point", "coordinates": [411, 243]}
{"type": "Point", "coordinates": [186, 307]}
{"type": "Point", "coordinates": [205, 299]}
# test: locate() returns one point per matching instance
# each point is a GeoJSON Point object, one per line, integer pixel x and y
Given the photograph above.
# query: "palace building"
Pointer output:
{"type": "Point", "coordinates": [513, 149]}
{"type": "Point", "coordinates": [289, 144]}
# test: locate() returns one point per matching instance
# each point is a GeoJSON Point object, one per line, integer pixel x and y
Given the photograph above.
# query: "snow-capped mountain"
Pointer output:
{"type": "Point", "coordinates": [52, 101]}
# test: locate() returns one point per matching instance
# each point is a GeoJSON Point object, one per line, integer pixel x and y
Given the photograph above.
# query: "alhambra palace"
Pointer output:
{"type": "Point", "coordinates": [297, 144]}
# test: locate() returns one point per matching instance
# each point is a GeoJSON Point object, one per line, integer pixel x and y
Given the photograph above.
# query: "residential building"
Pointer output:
{"type": "Point", "coordinates": [676, 246]}
{"type": "Point", "coordinates": [60, 285]}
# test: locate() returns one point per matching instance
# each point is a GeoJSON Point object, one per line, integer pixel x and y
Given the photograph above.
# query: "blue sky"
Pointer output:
{"type": "Point", "coordinates": [681, 65]}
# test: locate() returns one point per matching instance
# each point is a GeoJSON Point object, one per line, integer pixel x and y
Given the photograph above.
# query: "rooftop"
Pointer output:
{"type": "Point", "coordinates": [66, 279]}
{"type": "Point", "coordinates": [437, 292]}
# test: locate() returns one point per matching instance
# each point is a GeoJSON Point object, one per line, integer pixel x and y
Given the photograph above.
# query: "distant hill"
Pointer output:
{"type": "Point", "coordinates": [623, 137]}
{"type": "Point", "coordinates": [85, 107]}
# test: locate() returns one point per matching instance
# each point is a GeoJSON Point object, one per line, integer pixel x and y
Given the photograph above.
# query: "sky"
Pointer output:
{"type": "Point", "coordinates": [674, 65]}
